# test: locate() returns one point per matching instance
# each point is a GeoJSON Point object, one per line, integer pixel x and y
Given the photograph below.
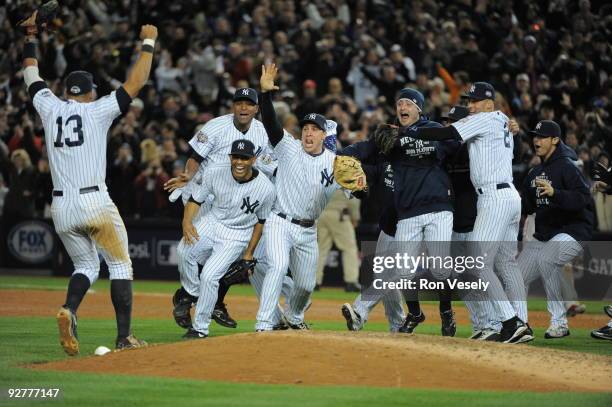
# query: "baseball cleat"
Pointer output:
{"type": "Point", "coordinates": [554, 332]}
{"type": "Point", "coordinates": [449, 326]}
{"type": "Point", "coordinates": [575, 309]}
{"type": "Point", "coordinates": [67, 324]}
{"type": "Point", "coordinates": [608, 310]}
{"type": "Point", "coordinates": [353, 319]}
{"type": "Point", "coordinates": [527, 337]}
{"type": "Point", "coordinates": [129, 342]}
{"type": "Point", "coordinates": [182, 301]}
{"type": "Point", "coordinates": [222, 317]}
{"type": "Point", "coordinates": [281, 326]}
{"type": "Point", "coordinates": [476, 334]}
{"type": "Point", "coordinates": [489, 335]}
{"type": "Point", "coordinates": [602, 333]}
{"type": "Point", "coordinates": [411, 322]}
{"type": "Point", "coordinates": [193, 334]}
{"type": "Point", "coordinates": [512, 330]}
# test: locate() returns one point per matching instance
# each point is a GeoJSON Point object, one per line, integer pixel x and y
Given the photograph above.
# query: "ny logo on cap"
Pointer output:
{"type": "Point", "coordinates": [312, 116]}
{"type": "Point", "coordinates": [488, 93]}
{"type": "Point", "coordinates": [538, 126]}
{"type": "Point", "coordinates": [245, 92]}
{"type": "Point", "coordinates": [473, 89]}
{"type": "Point", "coordinates": [75, 89]}
{"type": "Point", "coordinates": [241, 146]}
{"type": "Point", "coordinates": [452, 110]}
{"type": "Point", "coordinates": [414, 101]}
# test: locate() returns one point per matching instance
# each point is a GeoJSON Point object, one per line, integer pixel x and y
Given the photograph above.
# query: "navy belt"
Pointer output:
{"type": "Point", "coordinates": [305, 223]}
{"type": "Point", "coordinates": [503, 185]}
{"type": "Point", "coordinates": [81, 191]}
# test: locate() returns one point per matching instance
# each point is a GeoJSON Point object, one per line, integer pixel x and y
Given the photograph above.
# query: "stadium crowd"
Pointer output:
{"type": "Point", "coordinates": [345, 59]}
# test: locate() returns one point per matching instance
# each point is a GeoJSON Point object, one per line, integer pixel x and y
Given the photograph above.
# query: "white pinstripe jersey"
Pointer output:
{"type": "Point", "coordinates": [490, 146]}
{"type": "Point", "coordinates": [213, 142]}
{"type": "Point", "coordinates": [304, 183]}
{"type": "Point", "coordinates": [76, 138]}
{"type": "Point", "coordinates": [235, 205]}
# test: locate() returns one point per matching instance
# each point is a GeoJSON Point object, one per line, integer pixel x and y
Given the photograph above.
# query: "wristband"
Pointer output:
{"type": "Point", "coordinates": [147, 48]}
{"type": "Point", "coordinates": [29, 50]}
{"type": "Point", "coordinates": [149, 41]}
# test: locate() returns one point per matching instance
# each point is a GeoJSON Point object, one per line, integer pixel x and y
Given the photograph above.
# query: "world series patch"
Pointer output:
{"type": "Point", "coordinates": [202, 138]}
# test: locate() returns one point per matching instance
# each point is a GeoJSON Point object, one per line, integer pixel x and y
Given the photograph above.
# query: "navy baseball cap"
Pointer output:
{"type": "Point", "coordinates": [546, 128]}
{"type": "Point", "coordinates": [481, 91]}
{"type": "Point", "coordinates": [249, 94]}
{"type": "Point", "coordinates": [317, 119]}
{"type": "Point", "coordinates": [243, 148]}
{"type": "Point", "coordinates": [457, 113]}
{"type": "Point", "coordinates": [412, 95]}
{"type": "Point", "coordinates": [79, 83]}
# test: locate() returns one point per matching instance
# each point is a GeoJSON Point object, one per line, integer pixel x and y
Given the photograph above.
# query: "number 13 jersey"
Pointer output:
{"type": "Point", "coordinates": [76, 135]}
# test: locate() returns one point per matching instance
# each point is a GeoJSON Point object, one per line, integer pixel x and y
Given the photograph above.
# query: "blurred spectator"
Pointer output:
{"type": "Point", "coordinates": [19, 201]}
{"type": "Point", "coordinates": [123, 172]}
{"type": "Point", "coordinates": [151, 198]}
{"type": "Point", "coordinates": [3, 192]}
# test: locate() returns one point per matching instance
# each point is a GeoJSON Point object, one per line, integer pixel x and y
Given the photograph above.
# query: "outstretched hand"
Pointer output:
{"type": "Point", "coordinates": [30, 20]}
{"type": "Point", "coordinates": [268, 74]}
{"type": "Point", "coordinates": [148, 31]}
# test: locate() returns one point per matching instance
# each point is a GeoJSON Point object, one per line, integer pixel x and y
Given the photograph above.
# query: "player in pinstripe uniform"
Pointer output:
{"type": "Point", "coordinates": [422, 197]}
{"type": "Point", "coordinates": [559, 195]}
{"type": "Point", "coordinates": [210, 146]}
{"type": "Point", "coordinates": [85, 217]}
{"type": "Point", "coordinates": [242, 198]}
{"type": "Point", "coordinates": [490, 148]}
{"type": "Point", "coordinates": [304, 185]}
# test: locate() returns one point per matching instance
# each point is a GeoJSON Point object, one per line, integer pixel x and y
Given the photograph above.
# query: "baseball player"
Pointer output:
{"type": "Point", "coordinates": [242, 198]}
{"type": "Point", "coordinates": [304, 185]}
{"type": "Point", "coordinates": [559, 195]}
{"type": "Point", "coordinates": [603, 183]}
{"type": "Point", "coordinates": [85, 217]}
{"type": "Point", "coordinates": [422, 194]}
{"type": "Point", "coordinates": [490, 148]}
{"type": "Point", "coordinates": [464, 217]}
{"type": "Point", "coordinates": [210, 146]}
{"type": "Point", "coordinates": [356, 314]}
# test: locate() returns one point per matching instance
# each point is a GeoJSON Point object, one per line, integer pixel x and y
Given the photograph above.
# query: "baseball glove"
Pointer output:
{"type": "Point", "coordinates": [238, 271]}
{"type": "Point", "coordinates": [349, 174]}
{"type": "Point", "coordinates": [46, 13]}
{"type": "Point", "coordinates": [385, 136]}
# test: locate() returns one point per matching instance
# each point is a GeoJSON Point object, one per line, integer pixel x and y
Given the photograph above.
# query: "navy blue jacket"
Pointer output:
{"type": "Point", "coordinates": [458, 168]}
{"type": "Point", "coordinates": [421, 184]}
{"type": "Point", "coordinates": [381, 175]}
{"type": "Point", "coordinates": [570, 210]}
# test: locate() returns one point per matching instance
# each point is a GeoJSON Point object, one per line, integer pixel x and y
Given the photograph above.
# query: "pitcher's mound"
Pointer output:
{"type": "Point", "coordinates": [358, 359]}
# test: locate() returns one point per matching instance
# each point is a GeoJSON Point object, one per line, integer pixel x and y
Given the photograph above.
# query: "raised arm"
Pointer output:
{"type": "Point", "coordinates": [141, 69]}
{"type": "Point", "coordinates": [30, 63]}
{"type": "Point", "coordinates": [268, 115]}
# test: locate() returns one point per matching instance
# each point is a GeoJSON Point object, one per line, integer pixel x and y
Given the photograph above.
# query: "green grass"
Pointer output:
{"type": "Point", "coordinates": [34, 340]}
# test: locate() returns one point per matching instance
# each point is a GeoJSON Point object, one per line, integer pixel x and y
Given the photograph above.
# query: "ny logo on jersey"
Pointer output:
{"type": "Point", "coordinates": [326, 178]}
{"type": "Point", "coordinates": [245, 92]}
{"type": "Point", "coordinates": [247, 206]}
{"type": "Point", "coordinates": [312, 116]}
